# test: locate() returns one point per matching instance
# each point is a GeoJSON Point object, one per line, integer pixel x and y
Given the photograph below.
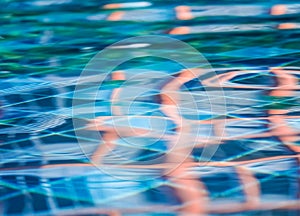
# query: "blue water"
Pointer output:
{"type": "Point", "coordinates": [150, 137]}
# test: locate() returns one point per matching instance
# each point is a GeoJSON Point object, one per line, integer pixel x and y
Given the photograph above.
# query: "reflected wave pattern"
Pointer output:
{"type": "Point", "coordinates": [253, 48]}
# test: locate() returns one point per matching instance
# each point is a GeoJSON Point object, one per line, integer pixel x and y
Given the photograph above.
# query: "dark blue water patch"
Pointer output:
{"type": "Point", "coordinates": [33, 163]}
{"type": "Point", "coordinates": [58, 139]}
{"type": "Point", "coordinates": [16, 99]}
{"type": "Point", "coordinates": [15, 204]}
{"type": "Point", "coordinates": [261, 113]}
{"type": "Point", "coordinates": [62, 191]}
{"type": "Point", "coordinates": [39, 201]}
{"type": "Point", "coordinates": [246, 149]}
{"type": "Point", "coordinates": [279, 184]}
{"type": "Point", "coordinates": [81, 188]}
{"type": "Point", "coordinates": [163, 194]}
{"type": "Point", "coordinates": [193, 85]}
{"type": "Point", "coordinates": [18, 202]}
{"type": "Point", "coordinates": [66, 161]}
{"type": "Point", "coordinates": [228, 188]}
{"type": "Point", "coordinates": [254, 79]}
{"type": "Point", "coordinates": [157, 150]}
{"type": "Point", "coordinates": [15, 141]}
{"type": "Point", "coordinates": [10, 164]}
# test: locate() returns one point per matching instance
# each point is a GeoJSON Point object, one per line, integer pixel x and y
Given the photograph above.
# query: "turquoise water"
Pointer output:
{"type": "Point", "coordinates": [220, 137]}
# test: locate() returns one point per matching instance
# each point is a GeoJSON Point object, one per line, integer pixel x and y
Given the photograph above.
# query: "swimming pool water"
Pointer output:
{"type": "Point", "coordinates": [153, 137]}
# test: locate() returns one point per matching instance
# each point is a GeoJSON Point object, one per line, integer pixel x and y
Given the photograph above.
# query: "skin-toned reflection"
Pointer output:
{"type": "Point", "coordinates": [178, 167]}
{"type": "Point", "coordinates": [110, 135]}
{"type": "Point", "coordinates": [286, 83]}
{"type": "Point", "coordinates": [169, 99]}
{"type": "Point", "coordinates": [188, 187]}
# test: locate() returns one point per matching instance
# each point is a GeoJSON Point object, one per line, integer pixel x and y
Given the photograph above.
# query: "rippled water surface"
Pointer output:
{"type": "Point", "coordinates": [153, 137]}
